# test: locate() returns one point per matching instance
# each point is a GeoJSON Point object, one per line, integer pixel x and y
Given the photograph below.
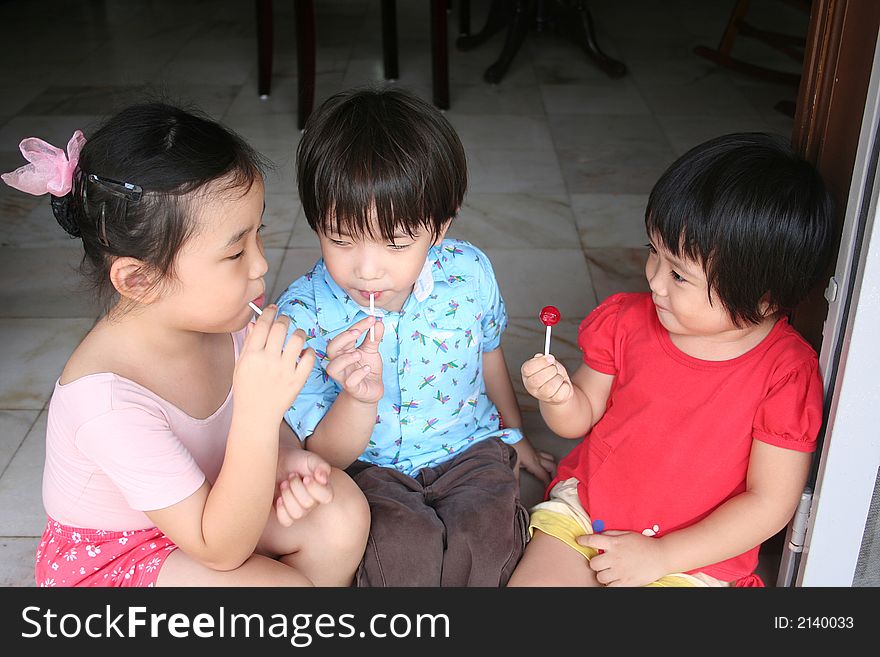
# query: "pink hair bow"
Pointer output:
{"type": "Point", "coordinates": [50, 169]}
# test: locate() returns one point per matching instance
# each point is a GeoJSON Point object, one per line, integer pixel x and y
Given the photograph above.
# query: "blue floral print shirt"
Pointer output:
{"type": "Point", "coordinates": [435, 403]}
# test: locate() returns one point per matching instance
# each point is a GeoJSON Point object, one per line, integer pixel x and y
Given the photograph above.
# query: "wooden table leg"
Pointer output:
{"type": "Point", "coordinates": [304, 11]}
{"type": "Point", "coordinates": [389, 39]}
{"type": "Point", "coordinates": [265, 33]}
{"type": "Point", "coordinates": [439, 54]}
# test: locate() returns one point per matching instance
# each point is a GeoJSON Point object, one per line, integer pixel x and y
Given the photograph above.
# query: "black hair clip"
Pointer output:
{"type": "Point", "coordinates": [126, 190]}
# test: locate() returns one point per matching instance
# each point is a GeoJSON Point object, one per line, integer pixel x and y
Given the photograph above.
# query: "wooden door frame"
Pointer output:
{"type": "Point", "coordinates": [828, 115]}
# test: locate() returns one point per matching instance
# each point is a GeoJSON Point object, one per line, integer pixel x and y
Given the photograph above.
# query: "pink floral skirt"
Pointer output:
{"type": "Point", "coordinates": [72, 556]}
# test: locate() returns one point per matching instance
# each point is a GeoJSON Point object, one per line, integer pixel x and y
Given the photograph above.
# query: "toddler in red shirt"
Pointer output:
{"type": "Point", "coordinates": [701, 404]}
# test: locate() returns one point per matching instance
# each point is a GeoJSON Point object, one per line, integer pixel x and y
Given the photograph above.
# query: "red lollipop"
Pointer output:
{"type": "Point", "coordinates": [550, 315]}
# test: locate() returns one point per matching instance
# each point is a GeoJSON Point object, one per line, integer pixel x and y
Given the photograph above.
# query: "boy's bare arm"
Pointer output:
{"type": "Point", "coordinates": [344, 431]}
{"type": "Point", "coordinates": [499, 387]}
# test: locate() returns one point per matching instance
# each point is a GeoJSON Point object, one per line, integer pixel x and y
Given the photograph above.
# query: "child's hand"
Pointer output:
{"type": "Point", "coordinates": [358, 369]}
{"type": "Point", "coordinates": [546, 379]}
{"type": "Point", "coordinates": [307, 485]}
{"type": "Point", "coordinates": [628, 559]}
{"type": "Point", "coordinates": [541, 464]}
{"type": "Point", "coordinates": [267, 376]}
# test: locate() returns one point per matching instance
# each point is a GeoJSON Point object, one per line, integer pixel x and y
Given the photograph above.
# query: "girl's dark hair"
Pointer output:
{"type": "Point", "coordinates": [385, 147]}
{"type": "Point", "coordinates": [168, 153]}
{"type": "Point", "coordinates": [754, 213]}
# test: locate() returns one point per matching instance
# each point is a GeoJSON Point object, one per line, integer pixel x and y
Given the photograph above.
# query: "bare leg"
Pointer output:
{"type": "Point", "coordinates": [327, 545]}
{"type": "Point", "coordinates": [550, 562]}
{"type": "Point", "coordinates": [180, 569]}
{"type": "Point", "coordinates": [322, 549]}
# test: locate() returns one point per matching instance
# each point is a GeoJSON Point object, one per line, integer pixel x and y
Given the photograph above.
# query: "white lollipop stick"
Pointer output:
{"type": "Point", "coordinates": [547, 342]}
{"type": "Point", "coordinates": [373, 313]}
{"type": "Point", "coordinates": [257, 310]}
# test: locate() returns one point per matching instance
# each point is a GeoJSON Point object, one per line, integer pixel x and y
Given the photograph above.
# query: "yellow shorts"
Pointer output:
{"type": "Point", "coordinates": [563, 517]}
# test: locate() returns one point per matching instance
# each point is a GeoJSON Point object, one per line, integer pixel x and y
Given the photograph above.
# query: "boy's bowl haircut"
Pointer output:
{"type": "Point", "coordinates": [381, 150]}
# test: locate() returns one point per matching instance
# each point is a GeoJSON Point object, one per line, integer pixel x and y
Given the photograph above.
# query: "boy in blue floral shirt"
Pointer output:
{"type": "Point", "coordinates": [423, 412]}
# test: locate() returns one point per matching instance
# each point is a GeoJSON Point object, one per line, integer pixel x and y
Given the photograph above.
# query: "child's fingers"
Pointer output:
{"type": "Point", "coordinates": [278, 334]}
{"type": "Point", "coordinates": [293, 349]}
{"type": "Point", "coordinates": [372, 346]}
{"type": "Point", "coordinates": [296, 500]}
{"type": "Point", "coordinates": [319, 468]}
{"type": "Point", "coordinates": [320, 492]}
{"type": "Point", "coordinates": [256, 337]}
{"type": "Point", "coordinates": [544, 376]}
{"type": "Point", "coordinates": [556, 390]}
{"type": "Point", "coordinates": [548, 461]}
{"type": "Point", "coordinates": [301, 493]}
{"type": "Point", "coordinates": [304, 367]}
{"type": "Point", "coordinates": [289, 501]}
{"type": "Point", "coordinates": [339, 364]}
{"type": "Point", "coordinates": [281, 513]}
{"type": "Point", "coordinates": [533, 365]}
{"type": "Point", "coordinates": [357, 377]}
{"type": "Point", "coordinates": [343, 342]}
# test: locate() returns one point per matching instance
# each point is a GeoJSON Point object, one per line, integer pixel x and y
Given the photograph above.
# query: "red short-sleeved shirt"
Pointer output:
{"type": "Point", "coordinates": [675, 438]}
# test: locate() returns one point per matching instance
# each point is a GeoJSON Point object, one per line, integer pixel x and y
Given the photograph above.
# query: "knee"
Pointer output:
{"type": "Point", "coordinates": [347, 517]}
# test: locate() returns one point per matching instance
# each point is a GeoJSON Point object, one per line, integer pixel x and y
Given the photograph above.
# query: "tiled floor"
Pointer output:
{"type": "Point", "coordinates": [561, 160]}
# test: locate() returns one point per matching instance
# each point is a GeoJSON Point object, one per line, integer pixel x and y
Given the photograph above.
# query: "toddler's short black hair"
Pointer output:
{"type": "Point", "coordinates": [754, 213]}
{"type": "Point", "coordinates": [384, 147]}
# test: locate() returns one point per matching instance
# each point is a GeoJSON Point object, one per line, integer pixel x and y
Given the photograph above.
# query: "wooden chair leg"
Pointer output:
{"type": "Point", "coordinates": [304, 11]}
{"type": "Point", "coordinates": [440, 53]}
{"type": "Point", "coordinates": [389, 39]}
{"type": "Point", "coordinates": [737, 25]}
{"type": "Point", "coordinates": [265, 33]}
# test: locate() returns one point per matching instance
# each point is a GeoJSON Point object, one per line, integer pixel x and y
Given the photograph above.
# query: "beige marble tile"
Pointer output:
{"type": "Point", "coordinates": [515, 221]}
{"type": "Point", "coordinates": [610, 220]}
{"type": "Point", "coordinates": [534, 278]}
{"type": "Point", "coordinates": [33, 355]}
{"type": "Point", "coordinates": [600, 97]}
{"type": "Point", "coordinates": [276, 135]}
{"type": "Point", "coordinates": [617, 270]}
{"type": "Point", "coordinates": [493, 99]}
{"type": "Point", "coordinates": [17, 560]}
{"type": "Point", "coordinates": [41, 282]}
{"type": "Point", "coordinates": [14, 426]}
{"type": "Point", "coordinates": [303, 237]}
{"type": "Point", "coordinates": [55, 129]}
{"type": "Point", "coordinates": [685, 132]}
{"type": "Point", "coordinates": [21, 486]}
{"type": "Point", "coordinates": [37, 229]}
{"type": "Point", "coordinates": [559, 61]}
{"type": "Point", "coordinates": [274, 257]}
{"type": "Point", "coordinates": [17, 555]}
{"type": "Point", "coordinates": [281, 215]}
{"type": "Point", "coordinates": [514, 171]}
{"type": "Point", "coordinates": [706, 97]}
{"type": "Point", "coordinates": [503, 131]}
{"type": "Point", "coordinates": [610, 153]}
{"type": "Point", "coordinates": [524, 338]}
{"type": "Point", "coordinates": [228, 69]}
{"type": "Point", "coordinates": [296, 262]}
